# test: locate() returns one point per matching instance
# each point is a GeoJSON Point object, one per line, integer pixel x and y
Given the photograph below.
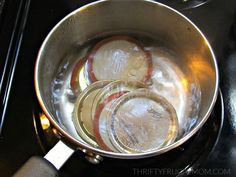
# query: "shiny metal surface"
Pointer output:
{"type": "Point", "coordinates": [112, 16]}
{"type": "Point", "coordinates": [155, 120]}
{"type": "Point", "coordinates": [82, 116]}
{"type": "Point", "coordinates": [93, 158]}
{"type": "Point", "coordinates": [184, 4]}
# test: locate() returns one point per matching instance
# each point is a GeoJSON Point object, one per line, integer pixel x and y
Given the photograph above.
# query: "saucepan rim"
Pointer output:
{"type": "Point", "coordinates": [82, 145]}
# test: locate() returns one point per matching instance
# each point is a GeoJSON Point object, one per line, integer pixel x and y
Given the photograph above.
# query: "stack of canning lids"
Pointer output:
{"type": "Point", "coordinates": [116, 111]}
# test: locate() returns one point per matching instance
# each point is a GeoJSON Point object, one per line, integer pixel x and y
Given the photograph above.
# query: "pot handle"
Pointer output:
{"type": "Point", "coordinates": [37, 167]}
{"type": "Point", "coordinates": [47, 166]}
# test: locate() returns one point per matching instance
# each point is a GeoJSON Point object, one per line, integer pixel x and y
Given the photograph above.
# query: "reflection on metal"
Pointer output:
{"type": "Point", "coordinates": [184, 83]}
{"type": "Point", "coordinates": [44, 121]}
{"type": "Point", "coordinates": [93, 158]}
{"type": "Point", "coordinates": [82, 79]}
{"type": "Point", "coordinates": [201, 68]}
{"type": "Point", "coordinates": [183, 4]}
{"type": "Point", "coordinates": [54, 131]}
{"type": "Point", "coordinates": [229, 82]}
{"type": "Point", "coordinates": [46, 134]}
{"type": "Point", "coordinates": [233, 108]}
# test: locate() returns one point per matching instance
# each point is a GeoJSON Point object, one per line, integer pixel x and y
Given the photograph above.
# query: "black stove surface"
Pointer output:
{"type": "Point", "coordinates": [23, 27]}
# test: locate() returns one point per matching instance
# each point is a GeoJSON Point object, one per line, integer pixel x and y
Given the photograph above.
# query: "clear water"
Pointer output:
{"type": "Point", "coordinates": [169, 79]}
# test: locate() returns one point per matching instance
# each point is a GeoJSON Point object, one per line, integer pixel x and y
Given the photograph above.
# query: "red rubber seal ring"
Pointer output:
{"type": "Point", "coordinates": [101, 106]}
{"type": "Point", "coordinates": [75, 72]}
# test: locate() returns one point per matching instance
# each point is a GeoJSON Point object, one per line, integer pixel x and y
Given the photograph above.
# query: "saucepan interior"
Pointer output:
{"type": "Point", "coordinates": [183, 43]}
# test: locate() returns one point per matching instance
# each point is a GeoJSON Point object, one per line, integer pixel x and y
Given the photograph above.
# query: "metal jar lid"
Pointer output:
{"type": "Point", "coordinates": [112, 88]}
{"type": "Point", "coordinates": [119, 58]}
{"type": "Point", "coordinates": [100, 121]}
{"type": "Point", "coordinates": [82, 112]}
{"type": "Point", "coordinates": [141, 121]}
{"type": "Point", "coordinates": [79, 76]}
{"type": "Point", "coordinates": [101, 105]}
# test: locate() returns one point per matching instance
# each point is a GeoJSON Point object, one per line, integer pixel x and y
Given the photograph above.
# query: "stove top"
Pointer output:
{"type": "Point", "coordinates": [24, 25]}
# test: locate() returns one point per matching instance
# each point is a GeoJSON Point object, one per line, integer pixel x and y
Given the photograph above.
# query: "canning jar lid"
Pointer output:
{"type": "Point", "coordinates": [101, 107]}
{"type": "Point", "coordinates": [99, 123]}
{"type": "Point", "coordinates": [141, 121]}
{"type": "Point", "coordinates": [114, 87]}
{"type": "Point", "coordinates": [79, 77]}
{"type": "Point", "coordinates": [82, 112]}
{"type": "Point", "coordinates": [119, 58]}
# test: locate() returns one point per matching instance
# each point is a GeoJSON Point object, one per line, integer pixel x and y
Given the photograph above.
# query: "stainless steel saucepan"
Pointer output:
{"type": "Point", "coordinates": [117, 16]}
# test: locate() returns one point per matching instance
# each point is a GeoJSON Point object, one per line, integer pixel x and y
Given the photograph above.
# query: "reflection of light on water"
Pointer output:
{"type": "Point", "coordinates": [179, 87]}
{"type": "Point", "coordinates": [82, 80]}
{"type": "Point", "coordinates": [44, 121]}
